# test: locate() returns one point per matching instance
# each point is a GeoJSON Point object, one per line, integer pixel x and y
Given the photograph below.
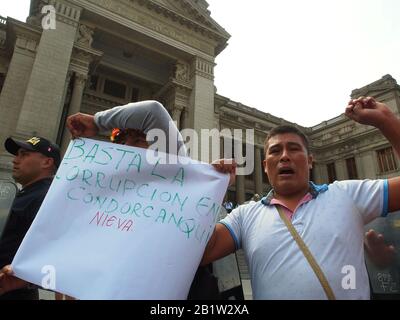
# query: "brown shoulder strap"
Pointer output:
{"type": "Point", "coordinates": [311, 260]}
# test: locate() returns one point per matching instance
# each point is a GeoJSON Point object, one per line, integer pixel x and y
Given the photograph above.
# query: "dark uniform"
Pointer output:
{"type": "Point", "coordinates": [23, 211]}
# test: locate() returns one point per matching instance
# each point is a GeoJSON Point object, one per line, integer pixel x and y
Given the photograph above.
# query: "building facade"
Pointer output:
{"type": "Point", "coordinates": [106, 53]}
{"type": "Point", "coordinates": [342, 149]}
{"type": "Point", "coordinates": [97, 54]}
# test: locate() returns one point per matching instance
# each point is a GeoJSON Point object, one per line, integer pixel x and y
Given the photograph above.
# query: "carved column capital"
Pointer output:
{"type": "Point", "coordinates": [181, 71]}
{"type": "Point", "coordinates": [204, 68]}
{"type": "Point", "coordinates": [80, 79]}
{"type": "Point", "coordinates": [63, 12]}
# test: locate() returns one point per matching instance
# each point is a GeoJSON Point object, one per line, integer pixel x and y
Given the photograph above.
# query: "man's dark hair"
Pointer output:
{"type": "Point", "coordinates": [286, 129]}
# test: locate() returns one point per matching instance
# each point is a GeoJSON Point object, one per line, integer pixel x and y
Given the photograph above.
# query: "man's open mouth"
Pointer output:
{"type": "Point", "coordinates": [286, 171]}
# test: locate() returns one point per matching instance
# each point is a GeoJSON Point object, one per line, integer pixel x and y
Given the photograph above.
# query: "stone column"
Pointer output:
{"type": "Point", "coordinates": [176, 116]}
{"type": "Point", "coordinates": [182, 90]}
{"type": "Point", "coordinates": [65, 99]}
{"type": "Point", "coordinates": [184, 117]}
{"type": "Point", "coordinates": [16, 82]}
{"type": "Point", "coordinates": [341, 170]}
{"type": "Point", "coordinates": [369, 165]}
{"type": "Point", "coordinates": [75, 105]}
{"type": "Point", "coordinates": [175, 93]}
{"type": "Point", "coordinates": [360, 169]}
{"type": "Point", "coordinates": [15, 85]}
{"type": "Point", "coordinates": [240, 190]}
{"type": "Point", "coordinates": [258, 171]}
{"type": "Point", "coordinates": [201, 104]}
{"type": "Point", "coordinates": [320, 173]}
{"type": "Point", "coordinates": [43, 106]}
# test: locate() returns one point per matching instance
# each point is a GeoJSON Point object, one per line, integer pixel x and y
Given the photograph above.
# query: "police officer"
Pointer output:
{"type": "Point", "coordinates": [35, 163]}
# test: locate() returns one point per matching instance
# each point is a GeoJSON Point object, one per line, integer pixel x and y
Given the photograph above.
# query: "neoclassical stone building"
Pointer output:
{"type": "Point", "coordinates": [104, 53]}
{"type": "Point", "coordinates": [110, 52]}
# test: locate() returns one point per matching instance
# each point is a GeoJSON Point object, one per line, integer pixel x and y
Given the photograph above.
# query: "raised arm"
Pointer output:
{"type": "Point", "coordinates": [368, 111]}
{"type": "Point", "coordinates": [144, 116]}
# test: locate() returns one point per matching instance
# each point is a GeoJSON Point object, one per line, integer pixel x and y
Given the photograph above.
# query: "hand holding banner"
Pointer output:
{"type": "Point", "coordinates": [113, 226]}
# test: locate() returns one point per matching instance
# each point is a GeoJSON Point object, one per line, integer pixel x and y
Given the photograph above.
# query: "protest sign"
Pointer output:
{"type": "Point", "coordinates": [114, 226]}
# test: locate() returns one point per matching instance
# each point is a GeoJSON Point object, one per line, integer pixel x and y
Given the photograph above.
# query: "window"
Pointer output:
{"type": "Point", "coordinates": [227, 148]}
{"type": "Point", "coordinates": [135, 95]}
{"type": "Point", "coordinates": [351, 168]}
{"type": "Point", "coordinates": [114, 89]}
{"type": "Point", "coordinates": [238, 151]}
{"type": "Point", "coordinates": [94, 79]}
{"type": "Point", "coordinates": [331, 172]}
{"type": "Point", "coordinates": [386, 160]}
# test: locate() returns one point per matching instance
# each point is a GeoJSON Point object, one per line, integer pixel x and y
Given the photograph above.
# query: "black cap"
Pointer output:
{"type": "Point", "coordinates": [36, 144]}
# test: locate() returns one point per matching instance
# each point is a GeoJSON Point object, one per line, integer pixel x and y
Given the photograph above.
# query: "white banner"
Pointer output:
{"type": "Point", "coordinates": [113, 226]}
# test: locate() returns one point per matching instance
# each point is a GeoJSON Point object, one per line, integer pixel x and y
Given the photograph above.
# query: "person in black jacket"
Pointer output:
{"type": "Point", "coordinates": [35, 162]}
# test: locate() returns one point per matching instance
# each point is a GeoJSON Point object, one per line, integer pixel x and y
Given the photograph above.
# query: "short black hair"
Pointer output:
{"type": "Point", "coordinates": [286, 129]}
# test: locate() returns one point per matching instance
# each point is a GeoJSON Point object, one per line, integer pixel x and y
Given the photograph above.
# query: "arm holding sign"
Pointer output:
{"type": "Point", "coordinates": [8, 282]}
{"type": "Point", "coordinates": [226, 166]}
{"type": "Point", "coordinates": [143, 116]}
{"type": "Point", "coordinates": [221, 242]}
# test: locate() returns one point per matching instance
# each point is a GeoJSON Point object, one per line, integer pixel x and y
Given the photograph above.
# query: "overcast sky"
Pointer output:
{"type": "Point", "coordinates": [298, 60]}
